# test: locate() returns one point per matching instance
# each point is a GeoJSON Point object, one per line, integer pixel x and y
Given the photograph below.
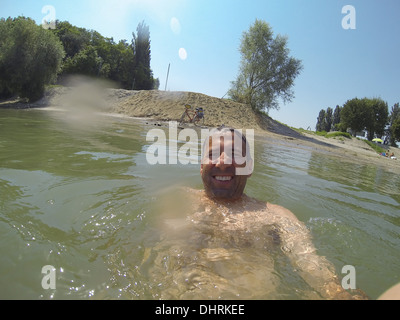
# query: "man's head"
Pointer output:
{"type": "Point", "coordinates": [226, 164]}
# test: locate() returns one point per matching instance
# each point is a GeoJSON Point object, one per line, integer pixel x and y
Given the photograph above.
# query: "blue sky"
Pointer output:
{"type": "Point", "coordinates": [339, 64]}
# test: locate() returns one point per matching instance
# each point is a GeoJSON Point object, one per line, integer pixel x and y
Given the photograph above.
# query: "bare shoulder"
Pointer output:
{"type": "Point", "coordinates": [281, 211]}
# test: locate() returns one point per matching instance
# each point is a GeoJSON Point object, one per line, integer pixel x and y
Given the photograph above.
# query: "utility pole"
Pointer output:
{"type": "Point", "coordinates": [166, 82]}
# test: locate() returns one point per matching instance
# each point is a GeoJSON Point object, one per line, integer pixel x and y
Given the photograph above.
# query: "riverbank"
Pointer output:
{"type": "Point", "coordinates": [164, 106]}
{"type": "Point", "coordinates": [169, 106]}
{"type": "Point", "coordinates": [356, 150]}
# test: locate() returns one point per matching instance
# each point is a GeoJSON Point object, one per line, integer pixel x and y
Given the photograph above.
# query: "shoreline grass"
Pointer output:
{"type": "Point", "coordinates": [325, 134]}
{"type": "Point", "coordinates": [374, 146]}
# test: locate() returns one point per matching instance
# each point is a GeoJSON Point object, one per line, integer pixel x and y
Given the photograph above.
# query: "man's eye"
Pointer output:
{"type": "Point", "coordinates": [238, 154]}
{"type": "Point", "coordinates": [216, 153]}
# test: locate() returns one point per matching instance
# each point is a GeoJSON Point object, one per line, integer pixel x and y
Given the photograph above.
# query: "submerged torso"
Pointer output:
{"type": "Point", "coordinates": [214, 250]}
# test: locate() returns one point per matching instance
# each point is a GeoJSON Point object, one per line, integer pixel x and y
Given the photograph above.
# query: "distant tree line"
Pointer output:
{"type": "Point", "coordinates": [91, 54]}
{"type": "Point", "coordinates": [32, 57]}
{"type": "Point", "coordinates": [367, 114]}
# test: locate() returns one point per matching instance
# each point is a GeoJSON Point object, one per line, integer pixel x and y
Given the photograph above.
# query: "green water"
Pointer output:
{"type": "Point", "coordinates": [78, 194]}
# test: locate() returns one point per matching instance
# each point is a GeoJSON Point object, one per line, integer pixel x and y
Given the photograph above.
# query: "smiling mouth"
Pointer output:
{"type": "Point", "coordinates": [223, 178]}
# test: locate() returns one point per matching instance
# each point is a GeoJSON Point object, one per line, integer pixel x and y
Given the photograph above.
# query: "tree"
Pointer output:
{"type": "Point", "coordinates": [395, 131]}
{"type": "Point", "coordinates": [370, 114]}
{"type": "Point", "coordinates": [90, 53]}
{"type": "Point", "coordinates": [336, 118]}
{"type": "Point", "coordinates": [325, 120]}
{"type": "Point", "coordinates": [328, 119]}
{"type": "Point", "coordinates": [354, 115]}
{"type": "Point", "coordinates": [377, 116]}
{"type": "Point", "coordinates": [143, 75]}
{"type": "Point", "coordinates": [74, 39]}
{"type": "Point", "coordinates": [321, 121]}
{"type": "Point", "coordinates": [267, 72]}
{"type": "Point", "coordinates": [122, 68]}
{"type": "Point", "coordinates": [394, 124]}
{"type": "Point", "coordinates": [394, 113]}
{"type": "Point", "coordinates": [30, 58]}
{"type": "Point", "coordinates": [86, 62]}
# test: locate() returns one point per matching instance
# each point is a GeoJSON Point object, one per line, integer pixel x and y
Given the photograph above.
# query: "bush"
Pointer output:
{"type": "Point", "coordinates": [377, 148]}
{"type": "Point", "coordinates": [338, 134]}
{"type": "Point", "coordinates": [333, 134]}
{"type": "Point", "coordinates": [30, 58]}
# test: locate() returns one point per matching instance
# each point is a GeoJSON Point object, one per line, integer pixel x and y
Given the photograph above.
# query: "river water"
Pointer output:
{"type": "Point", "coordinates": [77, 193]}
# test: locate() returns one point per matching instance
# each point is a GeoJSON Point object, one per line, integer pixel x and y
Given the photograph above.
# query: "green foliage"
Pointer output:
{"type": "Point", "coordinates": [321, 133]}
{"type": "Point", "coordinates": [354, 115]}
{"type": "Point", "coordinates": [394, 113]}
{"type": "Point", "coordinates": [336, 118]}
{"type": "Point", "coordinates": [395, 130]}
{"type": "Point", "coordinates": [394, 124]}
{"type": "Point", "coordinates": [329, 120]}
{"type": "Point", "coordinates": [333, 134]}
{"type": "Point", "coordinates": [370, 114]}
{"type": "Point", "coordinates": [321, 126]}
{"type": "Point", "coordinates": [340, 127]}
{"type": "Point", "coordinates": [143, 72]}
{"type": "Point", "coordinates": [377, 117]}
{"type": "Point", "coordinates": [30, 58]}
{"type": "Point", "coordinates": [374, 146]}
{"type": "Point", "coordinates": [338, 134]}
{"type": "Point", "coordinates": [267, 72]}
{"type": "Point", "coordinates": [89, 53]}
{"type": "Point", "coordinates": [86, 62]}
{"type": "Point", "coordinates": [74, 39]}
{"type": "Point", "coordinates": [329, 134]}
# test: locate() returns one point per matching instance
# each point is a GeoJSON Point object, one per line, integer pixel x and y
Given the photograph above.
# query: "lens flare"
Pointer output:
{"type": "Point", "coordinates": [182, 54]}
{"type": "Point", "coordinates": [175, 26]}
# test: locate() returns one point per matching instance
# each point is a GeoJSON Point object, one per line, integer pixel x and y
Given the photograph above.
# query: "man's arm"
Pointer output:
{"type": "Point", "coordinates": [316, 270]}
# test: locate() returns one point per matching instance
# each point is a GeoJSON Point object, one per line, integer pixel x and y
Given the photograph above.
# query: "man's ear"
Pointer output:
{"type": "Point", "coordinates": [201, 169]}
{"type": "Point", "coordinates": [251, 164]}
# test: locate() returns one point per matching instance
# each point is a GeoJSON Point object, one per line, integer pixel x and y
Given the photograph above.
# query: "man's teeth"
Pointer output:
{"type": "Point", "coordinates": [223, 178]}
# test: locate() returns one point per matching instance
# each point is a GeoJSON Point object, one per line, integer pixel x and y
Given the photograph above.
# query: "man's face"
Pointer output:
{"type": "Point", "coordinates": [218, 168]}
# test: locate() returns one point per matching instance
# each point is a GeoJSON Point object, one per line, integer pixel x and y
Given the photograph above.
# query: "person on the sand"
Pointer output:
{"type": "Point", "coordinates": [225, 167]}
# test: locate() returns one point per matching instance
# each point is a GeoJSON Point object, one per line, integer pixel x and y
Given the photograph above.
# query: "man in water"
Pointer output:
{"type": "Point", "coordinates": [226, 165]}
{"type": "Point", "coordinates": [218, 243]}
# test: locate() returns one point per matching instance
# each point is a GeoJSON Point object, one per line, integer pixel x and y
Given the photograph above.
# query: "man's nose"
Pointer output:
{"type": "Point", "coordinates": [224, 160]}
